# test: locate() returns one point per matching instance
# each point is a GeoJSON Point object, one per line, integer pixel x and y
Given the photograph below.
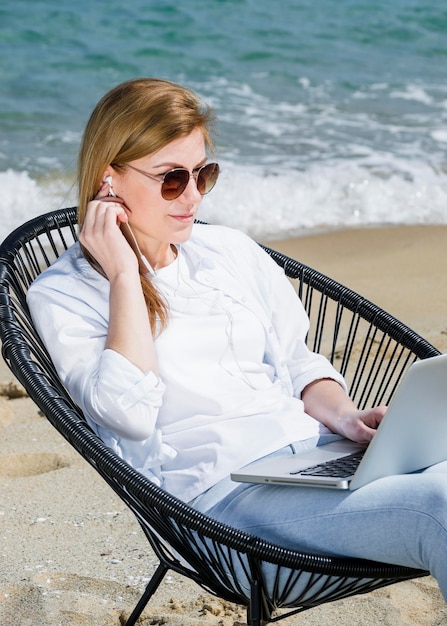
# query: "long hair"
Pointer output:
{"type": "Point", "coordinates": [133, 120]}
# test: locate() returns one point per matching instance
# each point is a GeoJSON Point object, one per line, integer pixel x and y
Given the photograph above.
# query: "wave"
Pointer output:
{"type": "Point", "coordinates": [276, 205]}
{"type": "Point", "coordinates": [24, 197]}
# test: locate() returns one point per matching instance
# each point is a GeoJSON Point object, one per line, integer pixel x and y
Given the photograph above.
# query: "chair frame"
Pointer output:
{"type": "Point", "coordinates": [370, 347]}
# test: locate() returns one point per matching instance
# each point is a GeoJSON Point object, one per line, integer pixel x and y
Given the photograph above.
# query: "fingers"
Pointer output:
{"type": "Point", "coordinates": [361, 425]}
{"type": "Point", "coordinates": [102, 219]}
{"type": "Point", "coordinates": [103, 195]}
{"type": "Point", "coordinates": [373, 417]}
{"type": "Point", "coordinates": [101, 223]}
{"type": "Point", "coordinates": [102, 237]}
{"type": "Point", "coordinates": [103, 191]}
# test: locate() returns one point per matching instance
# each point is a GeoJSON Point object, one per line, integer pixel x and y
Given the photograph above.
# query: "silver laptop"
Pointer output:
{"type": "Point", "coordinates": [411, 436]}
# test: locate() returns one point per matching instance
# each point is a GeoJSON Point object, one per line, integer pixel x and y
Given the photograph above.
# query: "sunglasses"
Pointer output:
{"type": "Point", "coordinates": [174, 182]}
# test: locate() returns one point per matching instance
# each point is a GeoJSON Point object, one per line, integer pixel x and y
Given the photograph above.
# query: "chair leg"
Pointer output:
{"type": "Point", "coordinates": [254, 611]}
{"type": "Point", "coordinates": [149, 591]}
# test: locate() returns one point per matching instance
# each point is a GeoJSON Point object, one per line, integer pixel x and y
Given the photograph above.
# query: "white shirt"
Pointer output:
{"type": "Point", "coordinates": [232, 362]}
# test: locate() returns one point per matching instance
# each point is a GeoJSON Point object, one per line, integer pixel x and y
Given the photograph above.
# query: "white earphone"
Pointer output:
{"type": "Point", "coordinates": [108, 179]}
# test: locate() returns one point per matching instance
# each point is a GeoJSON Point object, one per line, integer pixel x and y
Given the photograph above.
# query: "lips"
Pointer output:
{"type": "Point", "coordinates": [186, 217]}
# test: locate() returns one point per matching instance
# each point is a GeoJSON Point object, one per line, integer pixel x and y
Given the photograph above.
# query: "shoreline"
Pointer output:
{"type": "Point", "coordinates": [73, 554]}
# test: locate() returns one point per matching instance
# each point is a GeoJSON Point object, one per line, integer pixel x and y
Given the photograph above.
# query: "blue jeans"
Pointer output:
{"type": "Point", "coordinates": [400, 519]}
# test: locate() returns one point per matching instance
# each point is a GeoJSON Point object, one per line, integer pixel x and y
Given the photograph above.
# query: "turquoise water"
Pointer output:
{"type": "Point", "coordinates": [331, 114]}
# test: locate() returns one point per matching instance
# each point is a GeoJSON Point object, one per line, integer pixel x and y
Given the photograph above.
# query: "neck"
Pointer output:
{"type": "Point", "coordinates": [163, 257]}
{"type": "Point", "coordinates": [151, 261]}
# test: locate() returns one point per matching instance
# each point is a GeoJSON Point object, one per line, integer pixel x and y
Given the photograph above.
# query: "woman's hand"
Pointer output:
{"type": "Point", "coordinates": [327, 402]}
{"type": "Point", "coordinates": [102, 237]}
{"type": "Point", "coordinates": [129, 331]}
{"type": "Point", "coordinates": [360, 425]}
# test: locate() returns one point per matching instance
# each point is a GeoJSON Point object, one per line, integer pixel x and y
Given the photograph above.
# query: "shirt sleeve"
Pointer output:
{"type": "Point", "coordinates": [71, 318]}
{"type": "Point", "coordinates": [290, 325]}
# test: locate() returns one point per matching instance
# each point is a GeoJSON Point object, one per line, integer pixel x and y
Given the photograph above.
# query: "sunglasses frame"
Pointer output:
{"type": "Point", "coordinates": [195, 174]}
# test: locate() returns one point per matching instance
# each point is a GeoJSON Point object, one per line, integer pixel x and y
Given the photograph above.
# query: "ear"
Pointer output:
{"type": "Point", "coordinates": [108, 172]}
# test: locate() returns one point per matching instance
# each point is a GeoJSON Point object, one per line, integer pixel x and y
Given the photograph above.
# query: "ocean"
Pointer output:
{"type": "Point", "coordinates": [331, 114]}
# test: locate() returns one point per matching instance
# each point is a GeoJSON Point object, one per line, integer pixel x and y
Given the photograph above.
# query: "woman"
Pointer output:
{"type": "Point", "coordinates": [186, 349]}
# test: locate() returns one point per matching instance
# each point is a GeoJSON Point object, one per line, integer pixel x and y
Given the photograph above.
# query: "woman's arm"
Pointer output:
{"type": "Point", "coordinates": [327, 402]}
{"type": "Point", "coordinates": [108, 368]}
{"type": "Point", "coordinates": [319, 385]}
{"type": "Point", "coordinates": [129, 331]}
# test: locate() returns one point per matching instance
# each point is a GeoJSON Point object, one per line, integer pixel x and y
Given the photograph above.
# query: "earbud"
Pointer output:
{"type": "Point", "coordinates": [108, 179]}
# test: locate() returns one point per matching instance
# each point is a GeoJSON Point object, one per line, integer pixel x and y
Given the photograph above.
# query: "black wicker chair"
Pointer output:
{"type": "Point", "coordinates": [371, 348]}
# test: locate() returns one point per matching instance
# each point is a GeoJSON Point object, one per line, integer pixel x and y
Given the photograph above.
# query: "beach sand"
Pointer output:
{"type": "Point", "coordinates": [71, 552]}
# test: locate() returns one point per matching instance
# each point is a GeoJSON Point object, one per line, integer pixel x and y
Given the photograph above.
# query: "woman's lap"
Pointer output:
{"type": "Point", "coordinates": [399, 519]}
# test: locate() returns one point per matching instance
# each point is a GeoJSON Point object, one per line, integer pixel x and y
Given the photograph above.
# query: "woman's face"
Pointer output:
{"type": "Point", "coordinates": [156, 221]}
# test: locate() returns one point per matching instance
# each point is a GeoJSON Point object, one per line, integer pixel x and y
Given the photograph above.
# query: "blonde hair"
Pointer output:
{"type": "Point", "coordinates": [135, 119]}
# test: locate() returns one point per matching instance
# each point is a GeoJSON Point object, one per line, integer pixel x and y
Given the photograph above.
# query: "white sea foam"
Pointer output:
{"type": "Point", "coordinates": [326, 197]}
{"type": "Point", "coordinates": [23, 198]}
{"type": "Point", "coordinates": [413, 92]}
{"type": "Point", "coordinates": [277, 205]}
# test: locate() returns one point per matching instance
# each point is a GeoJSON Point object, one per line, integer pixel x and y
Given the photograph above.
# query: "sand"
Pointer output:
{"type": "Point", "coordinates": [71, 552]}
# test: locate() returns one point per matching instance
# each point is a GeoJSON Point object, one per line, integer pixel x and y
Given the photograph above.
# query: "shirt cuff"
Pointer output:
{"type": "Point", "coordinates": [131, 384]}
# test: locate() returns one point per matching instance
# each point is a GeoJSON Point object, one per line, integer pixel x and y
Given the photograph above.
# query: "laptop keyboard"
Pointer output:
{"type": "Point", "coordinates": [337, 468]}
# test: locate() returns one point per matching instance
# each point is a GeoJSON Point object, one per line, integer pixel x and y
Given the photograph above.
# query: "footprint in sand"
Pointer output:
{"type": "Point", "coordinates": [57, 599]}
{"type": "Point", "coordinates": [12, 389]}
{"type": "Point", "coordinates": [21, 604]}
{"type": "Point", "coordinates": [30, 464]}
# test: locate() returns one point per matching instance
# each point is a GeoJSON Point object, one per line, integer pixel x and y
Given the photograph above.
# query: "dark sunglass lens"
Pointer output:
{"type": "Point", "coordinates": [207, 178]}
{"type": "Point", "coordinates": [174, 184]}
